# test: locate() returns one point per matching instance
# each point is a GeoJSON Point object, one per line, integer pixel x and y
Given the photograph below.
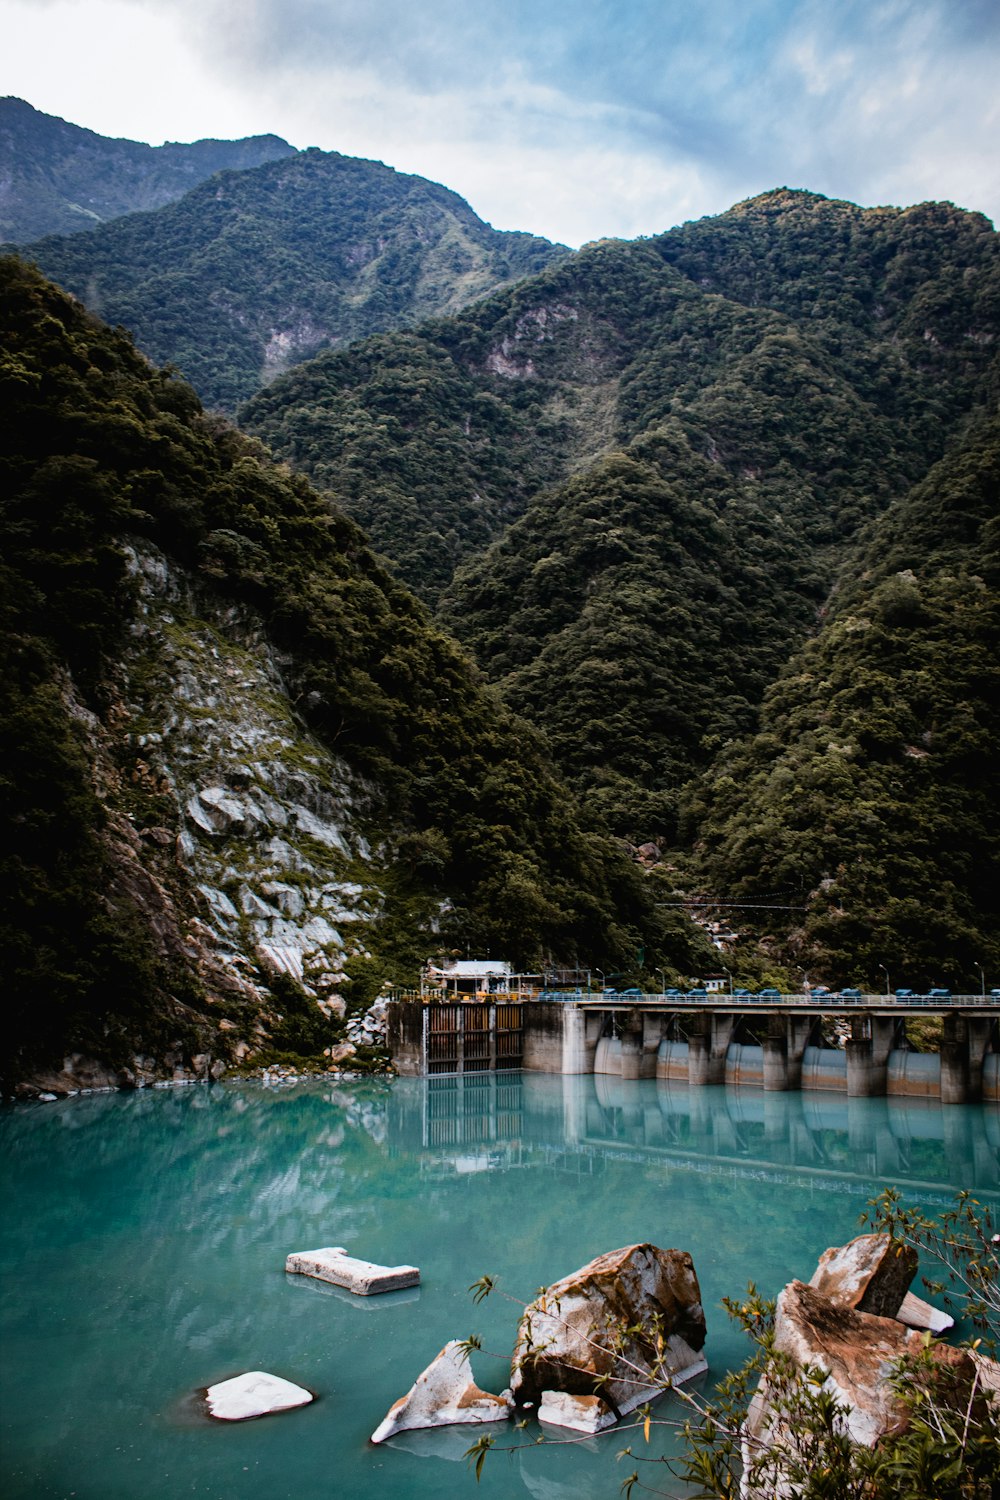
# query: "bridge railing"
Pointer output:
{"type": "Point", "coordinates": [835, 999]}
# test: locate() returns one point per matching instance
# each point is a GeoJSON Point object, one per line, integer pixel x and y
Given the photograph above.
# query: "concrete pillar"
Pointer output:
{"type": "Point", "coordinates": [868, 1055]}
{"type": "Point", "coordinates": [653, 1030]}
{"type": "Point", "coordinates": [775, 1048]}
{"type": "Point", "coordinates": [405, 1024]}
{"type": "Point", "coordinates": [798, 1030]}
{"type": "Point", "coordinates": [963, 1048]}
{"type": "Point", "coordinates": [557, 1038]}
{"type": "Point", "coordinates": [708, 1041]}
{"type": "Point", "coordinates": [631, 1054]}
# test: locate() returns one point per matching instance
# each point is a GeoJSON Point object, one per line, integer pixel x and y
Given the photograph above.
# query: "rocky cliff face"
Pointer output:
{"type": "Point", "coordinates": [264, 815]}
{"type": "Point", "coordinates": [230, 829]}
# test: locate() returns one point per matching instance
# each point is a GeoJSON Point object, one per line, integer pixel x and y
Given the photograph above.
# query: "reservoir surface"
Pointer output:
{"type": "Point", "coordinates": [144, 1237]}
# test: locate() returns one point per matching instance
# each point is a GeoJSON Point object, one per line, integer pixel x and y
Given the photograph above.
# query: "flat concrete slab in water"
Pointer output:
{"type": "Point", "coordinates": [359, 1276]}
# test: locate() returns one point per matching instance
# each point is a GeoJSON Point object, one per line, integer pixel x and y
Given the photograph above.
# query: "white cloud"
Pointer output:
{"type": "Point", "coordinates": [571, 118]}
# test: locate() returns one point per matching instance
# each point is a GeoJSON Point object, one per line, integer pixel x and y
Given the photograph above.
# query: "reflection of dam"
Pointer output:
{"type": "Point", "coordinates": [491, 1122]}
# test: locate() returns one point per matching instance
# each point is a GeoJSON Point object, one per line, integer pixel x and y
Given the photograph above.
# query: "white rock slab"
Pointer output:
{"type": "Point", "coordinates": [580, 1413]}
{"type": "Point", "coordinates": [445, 1395]}
{"type": "Point", "coordinates": [254, 1394]}
{"type": "Point", "coordinates": [360, 1276]}
{"type": "Point", "coordinates": [916, 1313]}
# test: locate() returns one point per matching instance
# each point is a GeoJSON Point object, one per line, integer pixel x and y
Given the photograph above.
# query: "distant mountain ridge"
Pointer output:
{"type": "Point", "coordinates": [255, 270]}
{"type": "Point", "coordinates": [59, 178]}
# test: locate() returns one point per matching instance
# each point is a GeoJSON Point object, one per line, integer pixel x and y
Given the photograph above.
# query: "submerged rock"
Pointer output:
{"type": "Point", "coordinates": [622, 1328]}
{"type": "Point", "coordinates": [444, 1395]}
{"type": "Point", "coordinates": [579, 1413]}
{"type": "Point", "coordinates": [254, 1394]}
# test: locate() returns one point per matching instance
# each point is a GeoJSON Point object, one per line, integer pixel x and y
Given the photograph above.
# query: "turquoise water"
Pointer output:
{"type": "Point", "coordinates": [144, 1238]}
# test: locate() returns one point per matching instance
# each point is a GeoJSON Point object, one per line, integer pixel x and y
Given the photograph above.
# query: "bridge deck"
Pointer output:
{"type": "Point", "coordinates": [984, 1005]}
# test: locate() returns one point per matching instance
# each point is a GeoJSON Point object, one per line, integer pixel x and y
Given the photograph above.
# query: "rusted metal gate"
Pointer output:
{"type": "Point", "coordinates": [472, 1038]}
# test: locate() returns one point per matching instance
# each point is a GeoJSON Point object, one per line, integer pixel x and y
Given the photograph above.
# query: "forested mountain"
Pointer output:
{"type": "Point", "coordinates": [57, 178]}
{"type": "Point", "coordinates": [871, 796]}
{"type": "Point", "coordinates": [630, 483]}
{"type": "Point", "coordinates": [232, 748]}
{"type": "Point", "coordinates": [255, 270]}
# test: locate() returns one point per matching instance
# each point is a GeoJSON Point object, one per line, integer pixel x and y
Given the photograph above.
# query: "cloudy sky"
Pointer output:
{"type": "Point", "coordinates": [572, 118]}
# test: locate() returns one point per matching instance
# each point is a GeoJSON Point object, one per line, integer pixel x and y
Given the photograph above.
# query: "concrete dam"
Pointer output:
{"type": "Point", "coordinates": [779, 1045]}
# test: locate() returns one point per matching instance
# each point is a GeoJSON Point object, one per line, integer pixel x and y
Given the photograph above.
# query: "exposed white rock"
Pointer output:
{"type": "Point", "coordinates": [265, 810]}
{"type": "Point", "coordinates": [361, 1276]}
{"type": "Point", "coordinates": [445, 1395]}
{"type": "Point", "coordinates": [581, 1413]}
{"type": "Point", "coordinates": [286, 898]}
{"type": "Point", "coordinates": [254, 1394]}
{"type": "Point", "coordinates": [620, 1327]}
{"type": "Point", "coordinates": [870, 1273]}
{"type": "Point", "coordinates": [916, 1313]}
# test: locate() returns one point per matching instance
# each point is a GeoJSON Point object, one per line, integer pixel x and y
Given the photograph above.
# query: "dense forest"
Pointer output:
{"type": "Point", "coordinates": [629, 484]}
{"type": "Point", "coordinates": [253, 270]}
{"type": "Point", "coordinates": [871, 795]}
{"type": "Point", "coordinates": [713, 516]}
{"type": "Point", "coordinates": [58, 178]}
{"type": "Point", "coordinates": [475, 840]}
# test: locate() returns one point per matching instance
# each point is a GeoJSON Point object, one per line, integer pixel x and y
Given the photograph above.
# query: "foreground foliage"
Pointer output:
{"type": "Point", "coordinates": [948, 1446]}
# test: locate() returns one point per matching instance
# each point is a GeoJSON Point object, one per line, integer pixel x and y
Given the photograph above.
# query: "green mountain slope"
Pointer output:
{"type": "Point", "coordinates": [57, 178]}
{"type": "Point", "coordinates": [219, 715]}
{"type": "Point", "coordinates": [255, 270]}
{"type": "Point", "coordinates": [871, 796]}
{"type": "Point", "coordinates": [629, 484]}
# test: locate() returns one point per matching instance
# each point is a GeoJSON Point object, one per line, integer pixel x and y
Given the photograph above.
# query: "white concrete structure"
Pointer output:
{"type": "Point", "coordinates": [361, 1276]}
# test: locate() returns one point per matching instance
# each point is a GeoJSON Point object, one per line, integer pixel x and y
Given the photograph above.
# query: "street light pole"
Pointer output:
{"type": "Point", "coordinates": [601, 972]}
{"type": "Point", "coordinates": [982, 980]}
{"type": "Point", "coordinates": [888, 986]}
{"type": "Point", "coordinates": [663, 979]}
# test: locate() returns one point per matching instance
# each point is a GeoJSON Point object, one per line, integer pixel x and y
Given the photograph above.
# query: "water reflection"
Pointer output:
{"type": "Point", "coordinates": [144, 1257]}
{"type": "Point", "coordinates": [495, 1122]}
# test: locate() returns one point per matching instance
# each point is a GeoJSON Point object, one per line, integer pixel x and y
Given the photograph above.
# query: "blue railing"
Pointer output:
{"type": "Point", "coordinates": [836, 999]}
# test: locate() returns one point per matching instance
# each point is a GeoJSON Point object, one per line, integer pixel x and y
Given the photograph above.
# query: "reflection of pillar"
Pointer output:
{"type": "Point", "coordinates": [860, 1135]}
{"type": "Point", "coordinates": [708, 1042]}
{"type": "Point", "coordinates": [891, 1152]}
{"type": "Point", "coordinates": [868, 1055]}
{"type": "Point", "coordinates": [576, 1091]}
{"type": "Point", "coordinates": [986, 1158]}
{"type": "Point", "coordinates": [776, 1123]}
{"type": "Point", "coordinates": [957, 1135]}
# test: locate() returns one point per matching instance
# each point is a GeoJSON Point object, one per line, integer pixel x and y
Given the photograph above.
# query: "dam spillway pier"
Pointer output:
{"type": "Point", "coordinates": [778, 1044]}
